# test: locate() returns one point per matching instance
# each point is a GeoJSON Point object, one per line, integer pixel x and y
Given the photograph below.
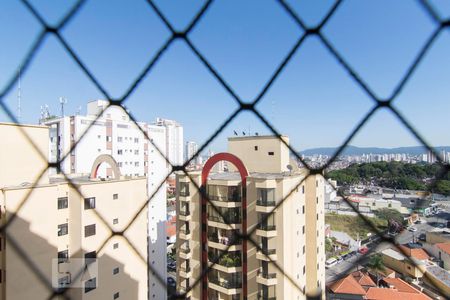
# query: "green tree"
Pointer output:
{"type": "Point", "coordinates": [388, 214]}
{"type": "Point", "coordinates": [376, 265]}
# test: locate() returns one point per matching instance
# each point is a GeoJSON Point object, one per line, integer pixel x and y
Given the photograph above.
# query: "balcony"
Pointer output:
{"type": "Point", "coordinates": [225, 286]}
{"type": "Point", "coordinates": [228, 263]}
{"type": "Point", "coordinates": [265, 206]}
{"type": "Point", "coordinates": [185, 253]}
{"type": "Point", "coordinates": [184, 215]}
{"type": "Point", "coordinates": [225, 201]}
{"type": "Point", "coordinates": [266, 230]}
{"type": "Point", "coordinates": [185, 234]}
{"type": "Point", "coordinates": [267, 278]}
{"type": "Point", "coordinates": [185, 272]}
{"type": "Point", "coordinates": [266, 254]}
{"type": "Point", "coordinates": [227, 222]}
{"type": "Point", "coordinates": [262, 297]}
{"type": "Point", "coordinates": [224, 243]}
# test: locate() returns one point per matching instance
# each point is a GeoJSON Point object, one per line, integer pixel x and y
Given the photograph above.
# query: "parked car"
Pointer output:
{"type": "Point", "coordinates": [171, 282]}
{"type": "Point", "coordinates": [422, 237]}
{"type": "Point", "coordinates": [440, 225]}
{"type": "Point", "coordinates": [330, 262]}
{"type": "Point", "coordinates": [412, 229]}
{"type": "Point", "coordinates": [363, 250]}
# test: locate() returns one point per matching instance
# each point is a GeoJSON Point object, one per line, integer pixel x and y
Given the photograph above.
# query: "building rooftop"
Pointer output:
{"type": "Point", "coordinates": [394, 254]}
{"type": "Point", "coordinates": [439, 273]}
{"type": "Point", "coordinates": [411, 250]}
{"type": "Point", "coordinates": [347, 285]}
{"type": "Point", "coordinates": [400, 285]}
{"type": "Point", "coordinates": [444, 247]}
{"type": "Point", "coordinates": [254, 137]}
{"type": "Point", "coordinates": [76, 179]}
{"type": "Point", "coordinates": [257, 175]}
{"type": "Point", "coordinates": [375, 293]}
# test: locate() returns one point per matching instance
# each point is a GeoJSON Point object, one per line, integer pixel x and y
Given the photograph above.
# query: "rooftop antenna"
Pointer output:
{"type": "Point", "coordinates": [235, 133]}
{"type": "Point", "coordinates": [62, 101]}
{"type": "Point", "coordinates": [19, 97]}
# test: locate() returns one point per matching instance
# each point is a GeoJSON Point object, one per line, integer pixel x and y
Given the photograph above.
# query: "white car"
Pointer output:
{"type": "Point", "coordinates": [412, 229]}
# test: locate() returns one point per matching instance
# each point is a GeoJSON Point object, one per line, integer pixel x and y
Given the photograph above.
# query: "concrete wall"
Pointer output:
{"type": "Point", "coordinates": [20, 162]}
{"type": "Point", "coordinates": [259, 160]}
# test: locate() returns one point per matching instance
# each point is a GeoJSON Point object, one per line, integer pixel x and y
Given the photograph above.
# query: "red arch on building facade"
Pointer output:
{"type": "Point", "coordinates": [243, 173]}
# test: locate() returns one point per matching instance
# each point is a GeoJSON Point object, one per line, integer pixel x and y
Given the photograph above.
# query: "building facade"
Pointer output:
{"type": "Point", "coordinates": [277, 261]}
{"type": "Point", "coordinates": [174, 140]}
{"type": "Point", "coordinates": [55, 227]}
{"type": "Point", "coordinates": [191, 150]}
{"type": "Point", "coordinates": [113, 133]}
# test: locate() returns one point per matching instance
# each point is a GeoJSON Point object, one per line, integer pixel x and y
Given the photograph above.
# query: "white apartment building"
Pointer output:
{"type": "Point", "coordinates": [113, 133]}
{"type": "Point", "coordinates": [191, 150]}
{"type": "Point", "coordinates": [174, 140]}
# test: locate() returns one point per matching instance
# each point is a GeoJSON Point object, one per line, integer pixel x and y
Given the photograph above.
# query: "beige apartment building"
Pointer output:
{"type": "Point", "coordinates": [286, 260]}
{"type": "Point", "coordinates": [55, 228]}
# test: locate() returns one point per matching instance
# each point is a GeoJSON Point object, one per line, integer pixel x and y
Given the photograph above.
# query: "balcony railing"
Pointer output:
{"type": "Point", "coordinates": [184, 193]}
{"type": "Point", "coordinates": [266, 227]}
{"type": "Point", "coordinates": [225, 240]}
{"type": "Point", "coordinates": [261, 297]}
{"type": "Point", "coordinates": [185, 250]}
{"type": "Point", "coordinates": [185, 231]}
{"type": "Point", "coordinates": [265, 203]}
{"type": "Point", "coordinates": [268, 251]}
{"type": "Point", "coordinates": [235, 198]}
{"type": "Point", "coordinates": [267, 275]}
{"type": "Point", "coordinates": [226, 260]}
{"type": "Point", "coordinates": [185, 212]}
{"type": "Point", "coordinates": [228, 284]}
{"type": "Point", "coordinates": [185, 269]}
{"type": "Point", "coordinates": [225, 220]}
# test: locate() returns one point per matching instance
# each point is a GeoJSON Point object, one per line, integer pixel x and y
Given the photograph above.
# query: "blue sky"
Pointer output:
{"type": "Point", "coordinates": [313, 101]}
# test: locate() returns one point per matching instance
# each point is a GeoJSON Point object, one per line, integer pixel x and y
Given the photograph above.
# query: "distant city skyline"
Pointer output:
{"type": "Point", "coordinates": [314, 101]}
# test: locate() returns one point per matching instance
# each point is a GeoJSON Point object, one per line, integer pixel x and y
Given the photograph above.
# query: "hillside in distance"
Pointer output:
{"type": "Point", "coordinates": [354, 150]}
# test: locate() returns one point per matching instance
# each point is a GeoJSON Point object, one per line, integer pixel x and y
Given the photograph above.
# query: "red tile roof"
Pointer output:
{"type": "Point", "coordinates": [171, 227]}
{"type": "Point", "coordinates": [400, 285]}
{"type": "Point", "coordinates": [444, 247]}
{"type": "Point", "coordinates": [363, 279]}
{"type": "Point", "coordinates": [417, 253]}
{"type": "Point", "coordinates": [347, 285]}
{"type": "Point", "coordinates": [387, 293]}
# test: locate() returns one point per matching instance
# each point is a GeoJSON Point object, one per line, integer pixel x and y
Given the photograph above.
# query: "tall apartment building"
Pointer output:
{"type": "Point", "coordinates": [174, 140]}
{"type": "Point", "coordinates": [287, 258]}
{"type": "Point", "coordinates": [191, 150]}
{"type": "Point", "coordinates": [113, 133]}
{"type": "Point", "coordinates": [54, 231]}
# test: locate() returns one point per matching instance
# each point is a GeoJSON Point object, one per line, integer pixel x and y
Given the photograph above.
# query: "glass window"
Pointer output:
{"type": "Point", "coordinates": [63, 256]}
{"type": "Point", "coordinates": [116, 295]}
{"type": "Point", "coordinates": [90, 285]}
{"type": "Point", "coordinates": [63, 229]}
{"type": "Point", "coordinates": [89, 230]}
{"type": "Point", "coordinates": [115, 271]}
{"type": "Point", "coordinates": [89, 203]}
{"type": "Point", "coordinates": [184, 189]}
{"type": "Point", "coordinates": [63, 202]}
{"type": "Point", "coordinates": [115, 196]}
